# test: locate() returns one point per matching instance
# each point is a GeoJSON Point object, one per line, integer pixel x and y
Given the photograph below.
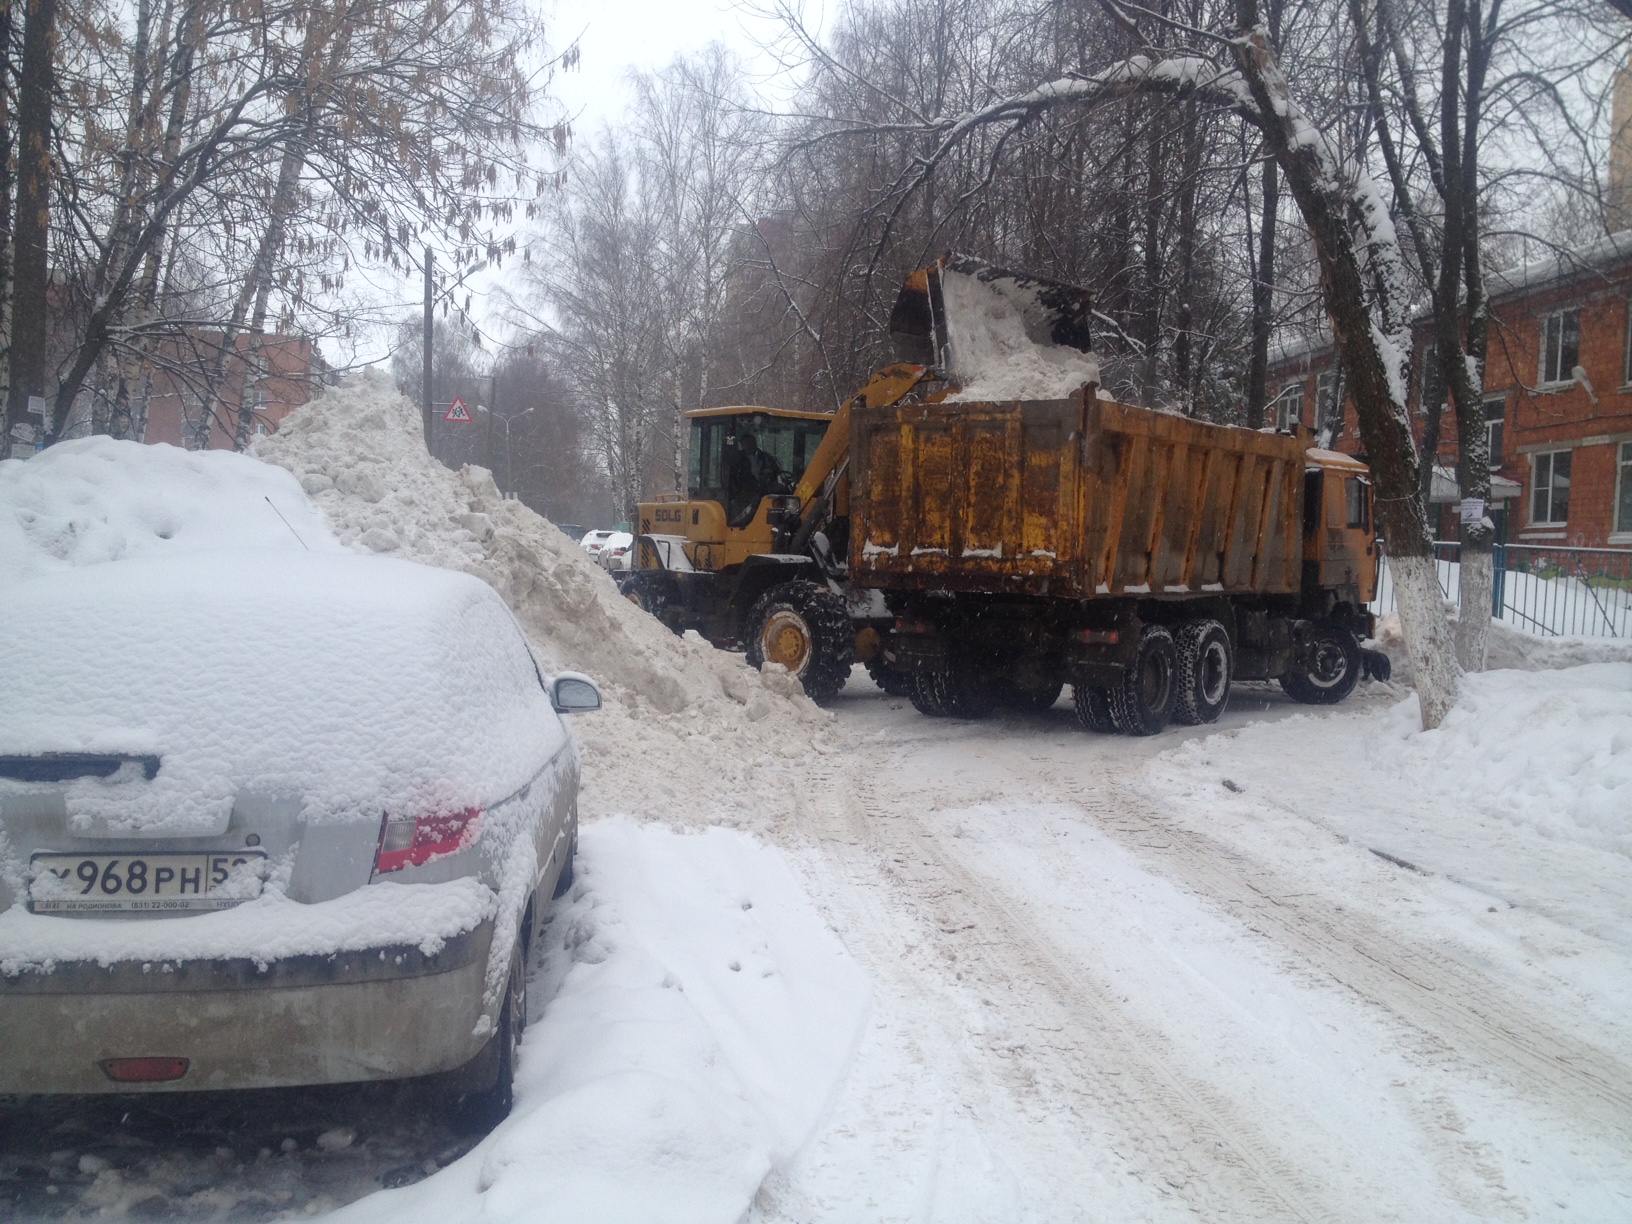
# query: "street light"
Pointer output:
{"type": "Point", "coordinates": [430, 307]}
{"type": "Point", "coordinates": [509, 488]}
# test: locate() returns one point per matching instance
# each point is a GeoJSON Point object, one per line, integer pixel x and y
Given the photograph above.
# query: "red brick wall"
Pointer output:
{"type": "Point", "coordinates": [293, 371]}
{"type": "Point", "coordinates": [1537, 418]}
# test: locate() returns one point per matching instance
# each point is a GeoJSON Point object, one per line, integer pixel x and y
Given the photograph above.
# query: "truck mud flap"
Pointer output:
{"type": "Point", "coordinates": [1375, 665]}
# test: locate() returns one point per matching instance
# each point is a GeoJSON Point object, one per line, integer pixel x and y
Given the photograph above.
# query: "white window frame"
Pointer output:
{"type": "Point", "coordinates": [1535, 481]}
{"type": "Point", "coordinates": [1550, 369]}
{"type": "Point", "coordinates": [1284, 402]}
{"type": "Point", "coordinates": [1489, 404]}
{"type": "Point", "coordinates": [1626, 348]}
{"type": "Point", "coordinates": [1621, 529]}
{"type": "Point", "coordinates": [1326, 391]}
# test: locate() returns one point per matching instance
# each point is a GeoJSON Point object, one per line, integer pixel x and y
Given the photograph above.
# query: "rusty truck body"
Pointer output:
{"type": "Point", "coordinates": [1148, 559]}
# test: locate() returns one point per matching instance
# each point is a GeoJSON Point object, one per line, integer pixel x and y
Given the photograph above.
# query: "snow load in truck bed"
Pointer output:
{"type": "Point", "coordinates": [348, 683]}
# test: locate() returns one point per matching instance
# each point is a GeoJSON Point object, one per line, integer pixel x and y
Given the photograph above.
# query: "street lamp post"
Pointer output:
{"type": "Point", "coordinates": [509, 488]}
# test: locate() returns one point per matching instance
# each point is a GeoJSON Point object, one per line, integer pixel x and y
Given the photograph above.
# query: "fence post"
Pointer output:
{"type": "Point", "coordinates": [1498, 578]}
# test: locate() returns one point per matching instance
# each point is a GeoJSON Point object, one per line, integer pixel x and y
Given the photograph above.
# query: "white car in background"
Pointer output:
{"type": "Point", "coordinates": [618, 552]}
{"type": "Point", "coordinates": [272, 820]}
{"type": "Point", "coordinates": [594, 541]}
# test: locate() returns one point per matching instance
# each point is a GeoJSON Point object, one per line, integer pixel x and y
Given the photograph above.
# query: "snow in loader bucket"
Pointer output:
{"type": "Point", "coordinates": [999, 335]}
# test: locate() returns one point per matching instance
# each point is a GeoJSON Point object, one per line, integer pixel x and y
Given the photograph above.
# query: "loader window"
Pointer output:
{"type": "Point", "coordinates": [708, 438]}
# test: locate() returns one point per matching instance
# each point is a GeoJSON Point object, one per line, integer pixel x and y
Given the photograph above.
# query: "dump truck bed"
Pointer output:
{"type": "Point", "coordinates": [1072, 498]}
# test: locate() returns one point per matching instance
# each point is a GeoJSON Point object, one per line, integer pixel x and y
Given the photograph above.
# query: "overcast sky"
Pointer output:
{"type": "Point", "coordinates": [615, 38]}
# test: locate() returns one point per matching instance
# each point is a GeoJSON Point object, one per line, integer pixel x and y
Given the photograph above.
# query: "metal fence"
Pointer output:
{"type": "Point", "coordinates": [1554, 592]}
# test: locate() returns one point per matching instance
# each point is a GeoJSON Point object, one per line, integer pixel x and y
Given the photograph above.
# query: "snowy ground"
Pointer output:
{"type": "Point", "coordinates": [868, 966]}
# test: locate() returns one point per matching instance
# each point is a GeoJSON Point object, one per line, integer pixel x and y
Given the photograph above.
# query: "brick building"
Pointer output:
{"type": "Point", "coordinates": [294, 371]}
{"type": "Point", "coordinates": [1558, 400]}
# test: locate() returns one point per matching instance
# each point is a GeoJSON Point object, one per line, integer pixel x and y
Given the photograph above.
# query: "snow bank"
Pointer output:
{"type": "Point", "coordinates": [689, 734]}
{"type": "Point", "coordinates": [369, 669]}
{"type": "Point", "coordinates": [95, 499]}
{"type": "Point", "coordinates": [701, 1017]}
{"type": "Point", "coordinates": [992, 350]}
{"type": "Point", "coordinates": [269, 928]}
{"type": "Point", "coordinates": [1511, 648]}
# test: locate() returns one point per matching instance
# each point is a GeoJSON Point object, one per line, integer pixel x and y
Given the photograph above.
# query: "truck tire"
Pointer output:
{"type": "Point", "coordinates": [895, 683]}
{"type": "Point", "coordinates": [806, 628]}
{"type": "Point", "coordinates": [1143, 703]}
{"type": "Point", "coordinates": [1093, 706]}
{"type": "Point", "coordinates": [1326, 668]}
{"type": "Point", "coordinates": [951, 692]}
{"type": "Point", "coordinates": [1206, 667]}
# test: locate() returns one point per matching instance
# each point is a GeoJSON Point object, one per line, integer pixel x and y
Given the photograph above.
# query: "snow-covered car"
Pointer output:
{"type": "Point", "coordinates": [594, 541]}
{"type": "Point", "coordinates": [273, 820]}
{"type": "Point", "coordinates": [618, 552]}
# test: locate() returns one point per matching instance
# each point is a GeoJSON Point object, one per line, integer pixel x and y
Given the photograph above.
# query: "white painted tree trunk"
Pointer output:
{"type": "Point", "coordinates": [1427, 635]}
{"type": "Point", "coordinates": [1473, 623]}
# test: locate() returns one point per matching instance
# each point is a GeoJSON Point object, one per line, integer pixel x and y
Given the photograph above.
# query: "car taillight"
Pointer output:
{"type": "Point", "coordinates": [409, 841]}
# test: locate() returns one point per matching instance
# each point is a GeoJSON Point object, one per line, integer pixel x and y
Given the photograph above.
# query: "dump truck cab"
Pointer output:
{"type": "Point", "coordinates": [1339, 542]}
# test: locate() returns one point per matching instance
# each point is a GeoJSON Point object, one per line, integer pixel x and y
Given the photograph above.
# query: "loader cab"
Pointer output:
{"type": "Point", "coordinates": [741, 455]}
{"type": "Point", "coordinates": [1339, 538]}
{"type": "Point", "coordinates": [740, 461]}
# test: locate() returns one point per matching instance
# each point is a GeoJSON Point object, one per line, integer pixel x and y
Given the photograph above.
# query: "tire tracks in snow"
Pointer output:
{"type": "Point", "coordinates": [1456, 1011]}
{"type": "Point", "coordinates": [1171, 1130]}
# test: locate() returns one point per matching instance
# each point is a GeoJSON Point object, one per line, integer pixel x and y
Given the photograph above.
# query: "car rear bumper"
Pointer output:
{"type": "Point", "coordinates": [383, 1013]}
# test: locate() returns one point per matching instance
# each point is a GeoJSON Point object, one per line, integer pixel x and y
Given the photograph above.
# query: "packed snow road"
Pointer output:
{"type": "Point", "coordinates": [1093, 1004]}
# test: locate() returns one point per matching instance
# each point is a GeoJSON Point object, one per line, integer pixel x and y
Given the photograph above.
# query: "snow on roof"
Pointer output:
{"type": "Point", "coordinates": [357, 685]}
{"type": "Point", "coordinates": [1563, 264]}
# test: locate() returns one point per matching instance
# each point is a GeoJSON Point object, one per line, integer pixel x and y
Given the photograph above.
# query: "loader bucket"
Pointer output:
{"type": "Point", "coordinates": [990, 329]}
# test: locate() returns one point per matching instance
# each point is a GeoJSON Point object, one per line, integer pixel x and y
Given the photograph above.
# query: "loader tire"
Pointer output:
{"type": "Point", "coordinates": [895, 683]}
{"type": "Point", "coordinates": [1093, 706]}
{"type": "Point", "coordinates": [1326, 668]}
{"type": "Point", "coordinates": [806, 628]}
{"type": "Point", "coordinates": [1143, 703]}
{"type": "Point", "coordinates": [1206, 667]}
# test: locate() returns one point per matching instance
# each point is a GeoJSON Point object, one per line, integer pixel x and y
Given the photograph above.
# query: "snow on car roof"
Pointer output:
{"type": "Point", "coordinates": [356, 685]}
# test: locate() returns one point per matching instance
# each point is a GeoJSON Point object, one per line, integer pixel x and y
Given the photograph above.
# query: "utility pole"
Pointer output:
{"type": "Point", "coordinates": [426, 373]}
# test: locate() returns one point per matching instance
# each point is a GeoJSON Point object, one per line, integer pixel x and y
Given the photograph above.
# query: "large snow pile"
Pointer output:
{"type": "Point", "coordinates": [94, 500]}
{"type": "Point", "coordinates": [688, 731]}
{"type": "Point", "coordinates": [700, 1022]}
{"type": "Point", "coordinates": [367, 668]}
{"type": "Point", "coordinates": [1510, 648]}
{"type": "Point", "coordinates": [997, 352]}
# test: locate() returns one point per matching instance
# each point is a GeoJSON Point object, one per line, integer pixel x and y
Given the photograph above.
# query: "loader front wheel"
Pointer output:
{"type": "Point", "coordinates": [806, 628]}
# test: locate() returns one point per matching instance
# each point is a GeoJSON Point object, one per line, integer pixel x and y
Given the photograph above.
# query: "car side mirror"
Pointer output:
{"type": "Point", "coordinates": [574, 694]}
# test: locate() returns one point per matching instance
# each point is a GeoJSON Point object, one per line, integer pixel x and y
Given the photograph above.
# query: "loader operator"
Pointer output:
{"type": "Point", "coordinates": [752, 474]}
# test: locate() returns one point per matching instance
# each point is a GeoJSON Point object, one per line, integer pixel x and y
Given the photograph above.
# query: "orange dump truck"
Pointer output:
{"type": "Point", "coordinates": [1148, 559]}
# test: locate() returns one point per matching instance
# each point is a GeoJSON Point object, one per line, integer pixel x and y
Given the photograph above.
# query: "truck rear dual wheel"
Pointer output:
{"type": "Point", "coordinates": [951, 692]}
{"type": "Point", "coordinates": [806, 628]}
{"type": "Point", "coordinates": [1206, 667]}
{"type": "Point", "coordinates": [1142, 704]}
{"type": "Point", "coordinates": [1326, 666]}
{"type": "Point", "coordinates": [1093, 706]}
{"type": "Point", "coordinates": [895, 683]}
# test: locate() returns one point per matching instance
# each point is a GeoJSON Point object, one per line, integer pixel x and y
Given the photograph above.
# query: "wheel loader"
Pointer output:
{"type": "Point", "coordinates": [754, 555]}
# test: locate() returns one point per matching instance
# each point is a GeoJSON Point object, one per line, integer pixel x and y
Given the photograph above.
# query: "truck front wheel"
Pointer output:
{"type": "Point", "coordinates": [1206, 665]}
{"type": "Point", "coordinates": [1143, 703]}
{"type": "Point", "coordinates": [806, 628]}
{"type": "Point", "coordinates": [1325, 668]}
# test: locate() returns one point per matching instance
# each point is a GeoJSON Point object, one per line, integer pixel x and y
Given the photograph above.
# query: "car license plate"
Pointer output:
{"type": "Point", "coordinates": [81, 883]}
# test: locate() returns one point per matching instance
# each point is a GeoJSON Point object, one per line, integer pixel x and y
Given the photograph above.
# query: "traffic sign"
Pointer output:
{"type": "Point", "coordinates": [458, 412]}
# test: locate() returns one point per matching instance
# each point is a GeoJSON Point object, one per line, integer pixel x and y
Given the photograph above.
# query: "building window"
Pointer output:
{"type": "Point", "coordinates": [1289, 406]}
{"type": "Point", "coordinates": [1550, 489]}
{"type": "Point", "coordinates": [1495, 417]}
{"type": "Point", "coordinates": [1327, 409]}
{"type": "Point", "coordinates": [1623, 491]}
{"type": "Point", "coordinates": [1560, 346]}
{"type": "Point", "coordinates": [1626, 349]}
